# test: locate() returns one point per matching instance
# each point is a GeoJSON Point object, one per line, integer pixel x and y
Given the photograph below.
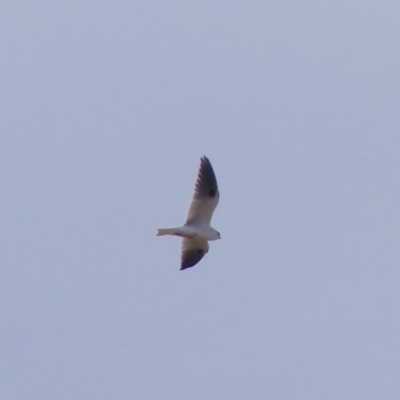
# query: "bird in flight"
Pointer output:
{"type": "Point", "coordinates": [197, 231]}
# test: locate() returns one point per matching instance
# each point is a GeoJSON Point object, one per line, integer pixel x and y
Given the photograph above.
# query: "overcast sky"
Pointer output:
{"type": "Point", "coordinates": [106, 108]}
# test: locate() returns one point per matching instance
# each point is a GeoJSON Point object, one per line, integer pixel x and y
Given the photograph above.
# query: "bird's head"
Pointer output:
{"type": "Point", "coordinates": [219, 235]}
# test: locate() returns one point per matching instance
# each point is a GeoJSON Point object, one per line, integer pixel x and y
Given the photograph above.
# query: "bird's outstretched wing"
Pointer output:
{"type": "Point", "coordinates": [206, 195]}
{"type": "Point", "coordinates": [193, 250]}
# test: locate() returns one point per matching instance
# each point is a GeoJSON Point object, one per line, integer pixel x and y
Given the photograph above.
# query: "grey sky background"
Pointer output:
{"type": "Point", "coordinates": [106, 109]}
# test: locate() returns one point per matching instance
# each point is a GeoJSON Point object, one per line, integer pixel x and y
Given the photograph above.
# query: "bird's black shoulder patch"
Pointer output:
{"type": "Point", "coordinates": [212, 192]}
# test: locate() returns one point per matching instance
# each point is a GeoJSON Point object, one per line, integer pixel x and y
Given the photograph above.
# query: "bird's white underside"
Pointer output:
{"type": "Point", "coordinates": [201, 210]}
{"type": "Point", "coordinates": [203, 231]}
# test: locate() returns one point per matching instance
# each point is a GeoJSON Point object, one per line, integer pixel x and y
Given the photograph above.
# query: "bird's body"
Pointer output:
{"type": "Point", "coordinates": [197, 231]}
{"type": "Point", "coordinates": [191, 231]}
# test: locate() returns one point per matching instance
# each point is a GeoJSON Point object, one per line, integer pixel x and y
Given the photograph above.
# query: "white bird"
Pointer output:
{"type": "Point", "coordinates": [197, 231]}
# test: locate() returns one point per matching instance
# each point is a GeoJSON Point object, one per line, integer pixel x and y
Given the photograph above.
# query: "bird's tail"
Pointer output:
{"type": "Point", "coordinates": [169, 231]}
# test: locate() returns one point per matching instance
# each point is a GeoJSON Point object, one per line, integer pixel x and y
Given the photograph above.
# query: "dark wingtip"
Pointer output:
{"type": "Point", "coordinates": [206, 183]}
{"type": "Point", "coordinates": [205, 159]}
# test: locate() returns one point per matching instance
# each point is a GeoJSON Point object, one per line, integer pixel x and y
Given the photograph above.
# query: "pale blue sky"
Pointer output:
{"type": "Point", "coordinates": [106, 109]}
